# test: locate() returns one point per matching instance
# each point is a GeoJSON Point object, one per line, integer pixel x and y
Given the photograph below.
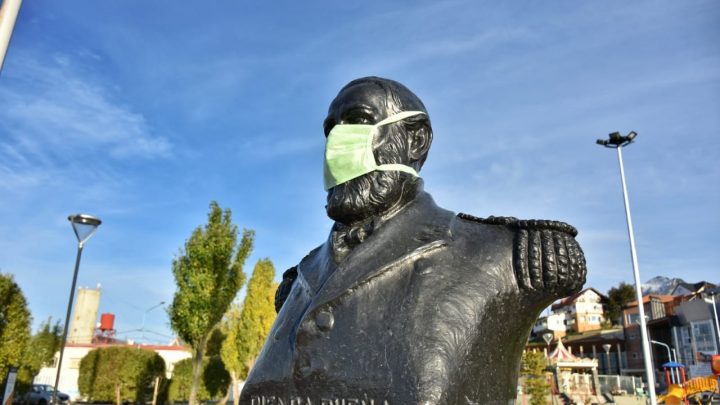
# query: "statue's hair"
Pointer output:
{"type": "Point", "coordinates": [400, 98]}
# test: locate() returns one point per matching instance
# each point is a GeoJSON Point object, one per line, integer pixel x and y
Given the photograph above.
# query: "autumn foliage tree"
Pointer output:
{"type": "Point", "coordinates": [208, 273]}
{"type": "Point", "coordinates": [247, 326]}
{"type": "Point", "coordinates": [533, 368]}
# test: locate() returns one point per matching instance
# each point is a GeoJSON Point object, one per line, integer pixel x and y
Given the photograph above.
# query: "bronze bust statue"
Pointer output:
{"type": "Point", "coordinates": [405, 302]}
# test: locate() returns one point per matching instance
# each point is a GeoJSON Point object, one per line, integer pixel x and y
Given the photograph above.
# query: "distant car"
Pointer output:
{"type": "Point", "coordinates": [42, 394]}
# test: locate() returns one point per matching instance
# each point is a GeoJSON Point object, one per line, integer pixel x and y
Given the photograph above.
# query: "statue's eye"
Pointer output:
{"type": "Point", "coordinates": [359, 117]}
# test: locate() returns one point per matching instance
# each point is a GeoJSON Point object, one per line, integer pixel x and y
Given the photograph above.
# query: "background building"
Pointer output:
{"type": "Point", "coordinates": [82, 323]}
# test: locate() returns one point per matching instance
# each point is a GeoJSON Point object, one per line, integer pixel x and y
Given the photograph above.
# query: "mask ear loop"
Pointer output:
{"type": "Point", "coordinates": [393, 166]}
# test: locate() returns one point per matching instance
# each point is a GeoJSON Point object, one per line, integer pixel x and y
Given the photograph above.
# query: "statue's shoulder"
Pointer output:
{"type": "Point", "coordinates": [523, 224]}
{"type": "Point", "coordinates": [288, 279]}
{"type": "Point", "coordinates": [546, 256]}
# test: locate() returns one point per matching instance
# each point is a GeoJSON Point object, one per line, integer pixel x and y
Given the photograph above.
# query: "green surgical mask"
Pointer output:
{"type": "Point", "coordinates": [349, 151]}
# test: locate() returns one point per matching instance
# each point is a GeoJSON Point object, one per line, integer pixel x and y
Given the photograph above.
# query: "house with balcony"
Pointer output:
{"type": "Point", "coordinates": [583, 311]}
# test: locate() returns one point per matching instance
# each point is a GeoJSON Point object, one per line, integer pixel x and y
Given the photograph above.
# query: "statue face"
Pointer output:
{"type": "Point", "coordinates": [364, 103]}
{"type": "Point", "coordinates": [374, 193]}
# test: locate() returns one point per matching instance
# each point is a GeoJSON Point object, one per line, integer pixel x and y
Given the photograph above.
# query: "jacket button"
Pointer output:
{"type": "Point", "coordinates": [423, 266]}
{"type": "Point", "coordinates": [324, 321]}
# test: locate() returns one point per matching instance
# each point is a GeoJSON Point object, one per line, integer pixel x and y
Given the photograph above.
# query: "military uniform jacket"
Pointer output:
{"type": "Point", "coordinates": [432, 308]}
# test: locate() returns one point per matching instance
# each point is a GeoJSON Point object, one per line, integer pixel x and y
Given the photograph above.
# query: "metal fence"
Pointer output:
{"type": "Point", "coordinates": [619, 383]}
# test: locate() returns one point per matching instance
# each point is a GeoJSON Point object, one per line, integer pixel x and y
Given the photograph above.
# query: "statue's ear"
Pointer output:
{"type": "Point", "coordinates": [420, 141]}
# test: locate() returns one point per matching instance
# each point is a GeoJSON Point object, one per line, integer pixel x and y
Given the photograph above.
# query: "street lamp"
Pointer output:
{"type": "Point", "coordinates": [145, 314]}
{"type": "Point", "coordinates": [617, 141]}
{"type": "Point", "coordinates": [84, 227]}
{"type": "Point", "coordinates": [713, 293]}
{"type": "Point", "coordinates": [670, 358]}
{"type": "Point", "coordinates": [548, 338]}
{"type": "Point", "coordinates": [607, 347]}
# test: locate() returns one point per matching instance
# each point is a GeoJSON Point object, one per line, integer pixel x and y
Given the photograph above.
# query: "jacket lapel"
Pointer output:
{"type": "Point", "coordinates": [419, 228]}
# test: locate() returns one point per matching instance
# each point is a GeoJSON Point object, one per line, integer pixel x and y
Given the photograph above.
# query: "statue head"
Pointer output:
{"type": "Point", "coordinates": [369, 100]}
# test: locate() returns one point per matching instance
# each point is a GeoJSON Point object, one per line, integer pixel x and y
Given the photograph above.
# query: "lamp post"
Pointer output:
{"type": "Point", "coordinates": [607, 347]}
{"type": "Point", "coordinates": [8, 15]}
{"type": "Point", "coordinates": [84, 227]}
{"type": "Point", "coordinates": [670, 358]}
{"type": "Point", "coordinates": [713, 293]}
{"type": "Point", "coordinates": [548, 338]}
{"type": "Point", "coordinates": [617, 142]}
{"type": "Point", "coordinates": [145, 314]}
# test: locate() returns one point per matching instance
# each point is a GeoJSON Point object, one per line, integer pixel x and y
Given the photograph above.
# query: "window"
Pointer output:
{"type": "Point", "coordinates": [704, 336]}
{"type": "Point", "coordinates": [633, 319]}
{"type": "Point", "coordinates": [75, 363]}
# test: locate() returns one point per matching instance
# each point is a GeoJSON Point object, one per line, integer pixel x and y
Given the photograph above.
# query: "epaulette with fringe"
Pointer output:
{"type": "Point", "coordinates": [546, 256]}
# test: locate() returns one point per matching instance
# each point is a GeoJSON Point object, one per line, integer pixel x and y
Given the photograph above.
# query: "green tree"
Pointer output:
{"type": "Point", "coordinates": [119, 373]}
{"type": "Point", "coordinates": [229, 352]}
{"type": "Point", "coordinates": [208, 273]}
{"type": "Point", "coordinates": [213, 382]}
{"type": "Point", "coordinates": [533, 368]}
{"type": "Point", "coordinates": [247, 327]}
{"type": "Point", "coordinates": [618, 297]}
{"type": "Point", "coordinates": [39, 352]}
{"type": "Point", "coordinates": [14, 324]}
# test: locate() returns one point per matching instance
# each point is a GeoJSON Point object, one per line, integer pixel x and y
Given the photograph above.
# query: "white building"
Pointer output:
{"type": "Point", "coordinates": [74, 353]}
{"type": "Point", "coordinates": [582, 311]}
{"type": "Point", "coordinates": [554, 323]}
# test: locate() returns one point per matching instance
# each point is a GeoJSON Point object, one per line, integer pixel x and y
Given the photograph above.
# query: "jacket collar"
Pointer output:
{"type": "Point", "coordinates": [419, 227]}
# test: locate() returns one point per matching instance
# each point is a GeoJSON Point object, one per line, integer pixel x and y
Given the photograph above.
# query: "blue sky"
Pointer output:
{"type": "Point", "coordinates": [143, 112]}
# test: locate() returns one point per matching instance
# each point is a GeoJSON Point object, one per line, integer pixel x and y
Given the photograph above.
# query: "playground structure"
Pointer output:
{"type": "Point", "coordinates": [680, 390]}
{"type": "Point", "coordinates": [573, 376]}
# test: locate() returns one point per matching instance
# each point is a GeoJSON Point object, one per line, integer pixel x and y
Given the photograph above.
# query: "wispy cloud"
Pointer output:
{"type": "Point", "coordinates": [51, 111]}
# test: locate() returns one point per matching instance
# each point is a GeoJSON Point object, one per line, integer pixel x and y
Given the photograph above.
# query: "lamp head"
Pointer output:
{"type": "Point", "coordinates": [615, 140]}
{"type": "Point", "coordinates": [84, 226]}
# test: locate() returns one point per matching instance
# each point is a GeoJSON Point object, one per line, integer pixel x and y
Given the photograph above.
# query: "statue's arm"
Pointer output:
{"type": "Point", "coordinates": [547, 259]}
{"type": "Point", "coordinates": [284, 288]}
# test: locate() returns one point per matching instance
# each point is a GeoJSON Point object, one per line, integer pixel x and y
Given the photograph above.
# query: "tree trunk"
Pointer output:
{"type": "Point", "coordinates": [155, 390]}
{"type": "Point", "coordinates": [236, 393]}
{"type": "Point", "coordinates": [224, 399]}
{"type": "Point", "coordinates": [196, 371]}
{"type": "Point", "coordinates": [118, 398]}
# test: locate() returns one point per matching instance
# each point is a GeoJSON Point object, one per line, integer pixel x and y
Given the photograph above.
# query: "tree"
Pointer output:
{"type": "Point", "coordinates": [229, 352]}
{"type": "Point", "coordinates": [14, 324]}
{"type": "Point", "coordinates": [618, 297]}
{"type": "Point", "coordinates": [533, 368]}
{"type": "Point", "coordinates": [213, 384]}
{"type": "Point", "coordinates": [247, 327]}
{"type": "Point", "coordinates": [208, 273]}
{"type": "Point", "coordinates": [39, 352]}
{"type": "Point", "coordinates": [119, 373]}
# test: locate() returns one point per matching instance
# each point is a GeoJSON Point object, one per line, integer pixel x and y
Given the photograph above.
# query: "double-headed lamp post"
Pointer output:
{"type": "Point", "coordinates": [617, 142]}
{"type": "Point", "coordinates": [84, 227]}
{"type": "Point", "coordinates": [670, 357]}
{"type": "Point", "coordinates": [145, 315]}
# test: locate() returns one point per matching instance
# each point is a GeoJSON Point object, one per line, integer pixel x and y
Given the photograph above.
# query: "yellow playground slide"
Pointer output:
{"type": "Point", "coordinates": [677, 393]}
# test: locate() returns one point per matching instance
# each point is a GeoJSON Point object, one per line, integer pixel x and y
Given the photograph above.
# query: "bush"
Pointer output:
{"type": "Point", "coordinates": [536, 385]}
{"type": "Point", "coordinates": [214, 380]}
{"type": "Point", "coordinates": [119, 373]}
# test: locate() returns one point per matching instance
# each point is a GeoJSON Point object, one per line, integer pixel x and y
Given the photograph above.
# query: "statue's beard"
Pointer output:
{"type": "Point", "coordinates": [367, 196]}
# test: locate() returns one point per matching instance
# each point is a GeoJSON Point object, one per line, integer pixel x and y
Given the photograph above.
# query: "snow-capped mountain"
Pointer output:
{"type": "Point", "coordinates": [660, 285]}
